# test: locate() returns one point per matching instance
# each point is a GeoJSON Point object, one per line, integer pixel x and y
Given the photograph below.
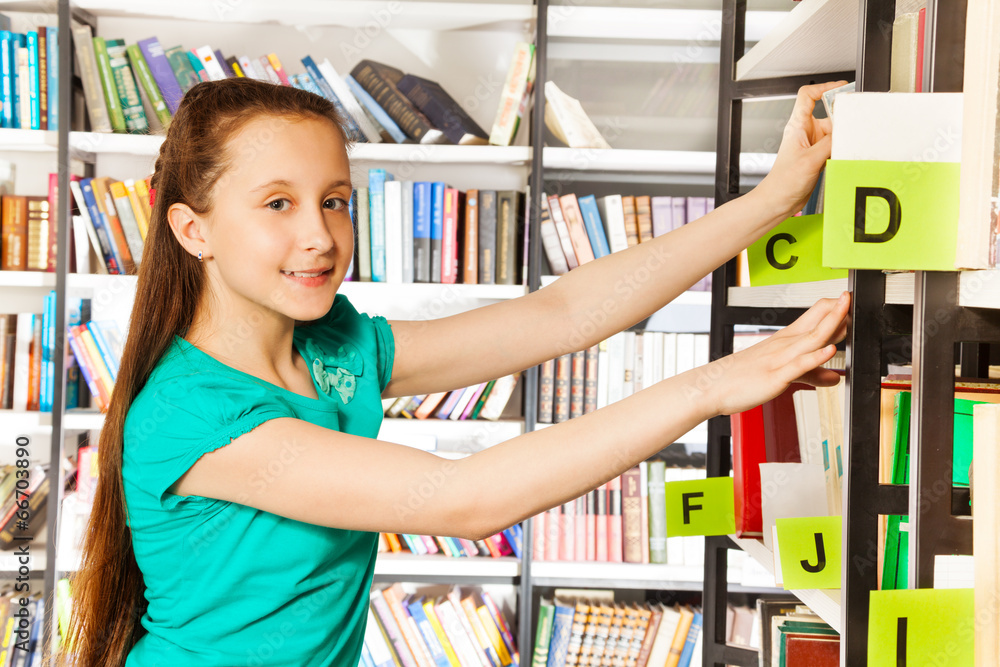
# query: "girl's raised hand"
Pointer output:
{"type": "Point", "coordinates": [804, 149]}
{"type": "Point", "coordinates": [794, 354]}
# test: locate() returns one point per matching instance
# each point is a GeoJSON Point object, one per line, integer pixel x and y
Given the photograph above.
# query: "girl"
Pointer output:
{"type": "Point", "coordinates": [241, 485]}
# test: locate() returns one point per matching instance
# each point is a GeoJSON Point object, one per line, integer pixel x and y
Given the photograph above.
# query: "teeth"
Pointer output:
{"type": "Point", "coordinates": [299, 274]}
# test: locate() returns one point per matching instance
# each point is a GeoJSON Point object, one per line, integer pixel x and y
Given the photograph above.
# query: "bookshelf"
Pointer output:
{"type": "Point", "coordinates": [892, 306]}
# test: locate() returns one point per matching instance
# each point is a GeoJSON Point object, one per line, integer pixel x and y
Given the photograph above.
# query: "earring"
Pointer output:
{"type": "Point", "coordinates": [199, 256]}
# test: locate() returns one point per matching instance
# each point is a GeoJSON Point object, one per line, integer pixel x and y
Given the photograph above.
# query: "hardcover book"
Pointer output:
{"type": "Point", "coordinates": [442, 110]}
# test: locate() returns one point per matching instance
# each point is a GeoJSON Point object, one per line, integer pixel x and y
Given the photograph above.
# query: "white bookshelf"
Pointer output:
{"type": "Point", "coordinates": [455, 439]}
{"type": "Point", "coordinates": [649, 161]}
{"type": "Point", "coordinates": [977, 289]}
{"type": "Point", "coordinates": [28, 141]}
{"type": "Point", "coordinates": [403, 564]}
{"type": "Point", "coordinates": [825, 603]}
{"type": "Point", "coordinates": [23, 291]}
{"type": "Point", "coordinates": [574, 21]}
{"type": "Point", "coordinates": [815, 37]}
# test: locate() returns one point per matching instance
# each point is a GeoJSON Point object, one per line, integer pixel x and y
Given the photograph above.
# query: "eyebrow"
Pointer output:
{"type": "Point", "coordinates": [280, 182]}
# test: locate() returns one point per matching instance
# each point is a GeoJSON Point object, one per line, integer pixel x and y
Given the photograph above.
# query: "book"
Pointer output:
{"type": "Point", "coordinates": [594, 225]}
{"type": "Point", "coordinates": [376, 111]}
{"type": "Point", "coordinates": [364, 234]}
{"type": "Point", "coordinates": [422, 232]}
{"type": "Point", "coordinates": [630, 222]}
{"type": "Point", "coordinates": [180, 64]}
{"type": "Point", "coordinates": [436, 229]}
{"type": "Point", "coordinates": [543, 633]}
{"type": "Point", "coordinates": [112, 98]}
{"type": "Point", "coordinates": [442, 110]}
{"type": "Point", "coordinates": [510, 227]}
{"type": "Point", "coordinates": [612, 212]}
{"type": "Point", "coordinates": [631, 515]}
{"type": "Point", "coordinates": [97, 111]}
{"type": "Point", "coordinates": [346, 97]}
{"type": "Point", "coordinates": [562, 625]}
{"type": "Point", "coordinates": [657, 512]}
{"type": "Point", "coordinates": [354, 132]}
{"type": "Point", "coordinates": [380, 81]}
{"type": "Point", "coordinates": [148, 82]}
{"type": "Point", "coordinates": [577, 230]}
{"type": "Point", "coordinates": [644, 217]}
{"type": "Point", "coordinates": [487, 237]}
{"type": "Point", "coordinates": [449, 235]}
{"type": "Point", "coordinates": [748, 453]}
{"type": "Point", "coordinates": [14, 233]}
{"type": "Point", "coordinates": [904, 76]}
{"type": "Point", "coordinates": [392, 628]}
{"type": "Point", "coordinates": [565, 117]}
{"type": "Point", "coordinates": [986, 433]}
{"type": "Point", "coordinates": [515, 89]}
{"type": "Point", "coordinates": [470, 239]}
{"type": "Point", "coordinates": [39, 221]}
{"type": "Point", "coordinates": [376, 197]}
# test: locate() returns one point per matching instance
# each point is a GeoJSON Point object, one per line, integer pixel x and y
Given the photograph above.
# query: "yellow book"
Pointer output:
{"type": "Point", "coordinates": [439, 631]}
{"type": "Point", "coordinates": [6, 640]}
{"type": "Point", "coordinates": [142, 191]}
{"type": "Point", "coordinates": [140, 213]}
{"type": "Point", "coordinates": [494, 634]}
{"type": "Point", "coordinates": [680, 637]}
{"type": "Point", "coordinates": [237, 70]}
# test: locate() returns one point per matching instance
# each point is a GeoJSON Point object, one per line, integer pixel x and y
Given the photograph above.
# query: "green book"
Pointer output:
{"type": "Point", "coordinates": [481, 401]}
{"type": "Point", "coordinates": [179, 63]}
{"type": "Point", "coordinates": [142, 72]}
{"type": "Point", "coordinates": [543, 633]}
{"type": "Point", "coordinates": [657, 512]}
{"type": "Point", "coordinates": [111, 97]}
{"type": "Point", "coordinates": [128, 90]}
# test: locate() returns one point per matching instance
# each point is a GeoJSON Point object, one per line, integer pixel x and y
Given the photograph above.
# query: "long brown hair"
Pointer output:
{"type": "Point", "coordinates": [108, 590]}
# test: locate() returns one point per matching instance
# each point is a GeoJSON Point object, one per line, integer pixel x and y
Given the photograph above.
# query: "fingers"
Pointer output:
{"type": "Point", "coordinates": [810, 319]}
{"type": "Point", "coordinates": [805, 102]}
{"type": "Point", "coordinates": [820, 377]}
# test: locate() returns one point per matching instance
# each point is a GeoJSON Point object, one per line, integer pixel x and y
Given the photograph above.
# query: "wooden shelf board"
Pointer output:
{"type": "Point", "coordinates": [437, 565]}
{"type": "Point", "coordinates": [648, 161]}
{"type": "Point", "coordinates": [815, 37]}
{"type": "Point", "coordinates": [355, 14]}
{"type": "Point", "coordinates": [825, 603]}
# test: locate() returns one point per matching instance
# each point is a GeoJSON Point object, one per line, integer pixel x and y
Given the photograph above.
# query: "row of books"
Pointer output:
{"type": "Point", "coordinates": [464, 629]}
{"type": "Point", "coordinates": [487, 400]}
{"type": "Point", "coordinates": [594, 630]}
{"type": "Point", "coordinates": [97, 349]}
{"type": "Point", "coordinates": [576, 230]}
{"type": "Point", "coordinates": [111, 218]}
{"type": "Point", "coordinates": [428, 232]}
{"type": "Point", "coordinates": [505, 543]}
{"type": "Point", "coordinates": [580, 382]}
{"type": "Point", "coordinates": [27, 346]}
{"type": "Point", "coordinates": [28, 231]}
{"type": "Point", "coordinates": [137, 88]}
{"type": "Point", "coordinates": [15, 651]}
{"type": "Point", "coordinates": [29, 77]}
{"type": "Point", "coordinates": [623, 520]}
{"type": "Point", "coordinates": [12, 498]}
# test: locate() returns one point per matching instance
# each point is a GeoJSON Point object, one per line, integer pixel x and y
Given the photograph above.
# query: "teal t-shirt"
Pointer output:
{"type": "Point", "coordinates": [228, 584]}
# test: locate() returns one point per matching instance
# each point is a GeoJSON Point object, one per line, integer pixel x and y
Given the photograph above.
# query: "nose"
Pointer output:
{"type": "Point", "coordinates": [315, 235]}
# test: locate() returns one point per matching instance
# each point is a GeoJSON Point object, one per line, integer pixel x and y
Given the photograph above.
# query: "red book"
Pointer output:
{"type": "Point", "coordinates": [561, 403]}
{"type": "Point", "coordinates": [601, 523]}
{"type": "Point", "coordinates": [748, 453]}
{"type": "Point", "coordinates": [449, 238]}
{"type": "Point", "coordinates": [552, 533]}
{"type": "Point", "coordinates": [615, 520]}
{"type": "Point", "coordinates": [811, 651]}
{"type": "Point", "coordinates": [781, 437]}
{"type": "Point", "coordinates": [632, 515]}
{"type": "Point", "coordinates": [576, 382]}
{"type": "Point", "coordinates": [538, 542]}
{"type": "Point", "coordinates": [567, 531]}
{"type": "Point", "coordinates": [470, 241]}
{"type": "Point", "coordinates": [580, 528]}
{"type": "Point", "coordinates": [921, 26]}
{"type": "Point", "coordinates": [53, 222]}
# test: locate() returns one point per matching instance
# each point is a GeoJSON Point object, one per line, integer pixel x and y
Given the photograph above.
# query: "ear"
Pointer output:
{"type": "Point", "coordinates": [187, 228]}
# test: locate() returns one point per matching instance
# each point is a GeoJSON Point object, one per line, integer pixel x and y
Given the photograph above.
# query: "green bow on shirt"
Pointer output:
{"type": "Point", "coordinates": [335, 372]}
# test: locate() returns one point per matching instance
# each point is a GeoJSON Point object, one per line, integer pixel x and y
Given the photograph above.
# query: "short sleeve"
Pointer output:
{"type": "Point", "coordinates": [386, 350]}
{"type": "Point", "coordinates": [177, 419]}
{"type": "Point", "coordinates": [371, 335]}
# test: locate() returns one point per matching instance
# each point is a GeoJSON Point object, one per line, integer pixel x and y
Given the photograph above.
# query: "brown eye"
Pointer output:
{"type": "Point", "coordinates": [278, 204]}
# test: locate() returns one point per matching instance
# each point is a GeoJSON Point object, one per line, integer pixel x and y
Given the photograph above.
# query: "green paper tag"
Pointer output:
{"type": "Point", "coordinates": [792, 252]}
{"type": "Point", "coordinates": [933, 627]}
{"type": "Point", "coordinates": [809, 550]}
{"type": "Point", "coordinates": [890, 215]}
{"type": "Point", "coordinates": [700, 507]}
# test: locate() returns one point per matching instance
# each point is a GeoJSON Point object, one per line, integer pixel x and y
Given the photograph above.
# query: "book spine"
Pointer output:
{"type": "Point", "coordinates": [23, 101]}
{"type": "Point", "coordinates": [145, 76]}
{"type": "Point", "coordinates": [377, 112]}
{"type": "Point", "coordinates": [128, 89]}
{"type": "Point", "coordinates": [376, 209]}
{"type": "Point", "coordinates": [615, 520]}
{"type": "Point", "coordinates": [657, 513]}
{"type": "Point", "coordinates": [487, 236]}
{"type": "Point", "coordinates": [578, 365]}
{"type": "Point", "coordinates": [546, 391]}
{"type": "Point", "coordinates": [563, 378]}
{"type": "Point", "coordinates": [350, 103]}
{"type": "Point", "coordinates": [592, 355]}
{"type": "Point", "coordinates": [567, 530]}
{"type": "Point", "coordinates": [422, 232]}
{"type": "Point", "coordinates": [470, 241]}
{"type": "Point", "coordinates": [7, 76]}
{"type": "Point", "coordinates": [441, 110]}
{"type": "Point", "coordinates": [580, 529]}
{"type": "Point", "coordinates": [577, 230]}
{"type": "Point", "coordinates": [394, 597]}
{"type": "Point", "coordinates": [278, 69]}
{"type": "Point", "coordinates": [552, 533]}
{"type": "Point", "coordinates": [180, 65]}
{"type": "Point", "coordinates": [395, 103]}
{"type": "Point", "coordinates": [449, 237]}
{"type": "Point", "coordinates": [631, 515]}
{"type": "Point", "coordinates": [14, 233]}
{"type": "Point", "coordinates": [364, 235]}
{"type": "Point", "coordinates": [543, 634]}
{"type": "Point", "coordinates": [437, 229]}
{"type": "Point", "coordinates": [353, 131]}
{"type": "Point", "coordinates": [506, 121]}
{"type": "Point", "coordinates": [392, 629]}
{"type": "Point", "coordinates": [644, 218]}
{"type": "Point", "coordinates": [591, 527]}
{"type": "Point", "coordinates": [39, 220]}
{"type": "Point", "coordinates": [507, 217]}
{"type": "Point", "coordinates": [112, 99]}
{"type": "Point", "coordinates": [167, 87]}
{"type": "Point", "coordinates": [550, 241]}
{"type": "Point", "coordinates": [43, 79]}
{"type": "Point", "coordinates": [562, 231]}
{"type": "Point", "coordinates": [594, 225]}
{"type": "Point", "coordinates": [34, 108]}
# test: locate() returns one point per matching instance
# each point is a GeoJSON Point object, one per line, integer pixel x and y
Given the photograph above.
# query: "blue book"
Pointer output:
{"type": "Point", "coordinates": [111, 257]}
{"type": "Point", "coordinates": [688, 651]}
{"type": "Point", "coordinates": [72, 368]}
{"type": "Point", "coordinates": [594, 226]}
{"type": "Point", "coordinates": [562, 625]}
{"type": "Point", "coordinates": [377, 112]}
{"type": "Point", "coordinates": [35, 122]}
{"type": "Point", "coordinates": [437, 229]}
{"type": "Point", "coordinates": [45, 382]}
{"type": "Point", "coordinates": [376, 213]}
{"type": "Point", "coordinates": [422, 232]}
{"type": "Point", "coordinates": [366, 657]}
{"type": "Point", "coordinates": [294, 80]}
{"type": "Point", "coordinates": [7, 72]}
{"type": "Point", "coordinates": [108, 339]}
{"type": "Point", "coordinates": [416, 607]}
{"type": "Point", "coordinates": [514, 536]}
{"type": "Point", "coordinates": [353, 131]}
{"type": "Point", "coordinates": [17, 42]}
{"type": "Point", "coordinates": [196, 65]}
{"type": "Point", "coordinates": [52, 75]}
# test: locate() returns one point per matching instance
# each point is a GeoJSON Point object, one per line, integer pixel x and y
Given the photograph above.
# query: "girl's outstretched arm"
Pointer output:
{"type": "Point", "coordinates": [345, 481]}
{"type": "Point", "coordinates": [610, 294]}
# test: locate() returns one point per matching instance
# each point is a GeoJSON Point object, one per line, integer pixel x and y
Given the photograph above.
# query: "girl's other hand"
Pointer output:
{"type": "Point", "coordinates": [794, 354]}
{"type": "Point", "coordinates": [804, 149]}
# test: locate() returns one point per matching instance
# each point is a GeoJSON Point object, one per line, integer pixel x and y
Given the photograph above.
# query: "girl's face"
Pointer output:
{"type": "Point", "coordinates": [279, 234]}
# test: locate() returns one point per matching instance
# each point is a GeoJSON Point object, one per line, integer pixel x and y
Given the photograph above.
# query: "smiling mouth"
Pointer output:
{"type": "Point", "coordinates": [306, 274]}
